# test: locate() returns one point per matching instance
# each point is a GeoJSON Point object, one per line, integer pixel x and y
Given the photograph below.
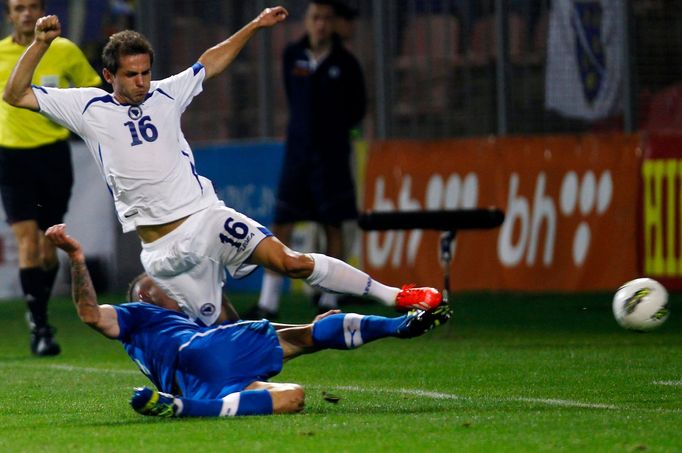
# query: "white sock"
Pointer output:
{"type": "Point", "coordinates": [270, 291]}
{"type": "Point", "coordinates": [331, 274]}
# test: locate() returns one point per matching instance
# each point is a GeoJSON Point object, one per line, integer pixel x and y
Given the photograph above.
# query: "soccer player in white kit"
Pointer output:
{"type": "Point", "coordinates": [188, 236]}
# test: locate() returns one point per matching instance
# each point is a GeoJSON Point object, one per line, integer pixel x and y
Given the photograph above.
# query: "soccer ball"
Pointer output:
{"type": "Point", "coordinates": [641, 304]}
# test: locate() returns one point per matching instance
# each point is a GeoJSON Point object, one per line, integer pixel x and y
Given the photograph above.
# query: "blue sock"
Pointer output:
{"type": "Point", "coordinates": [199, 408]}
{"type": "Point", "coordinates": [253, 402]}
{"type": "Point", "coordinates": [350, 330]}
{"type": "Point", "coordinates": [247, 402]}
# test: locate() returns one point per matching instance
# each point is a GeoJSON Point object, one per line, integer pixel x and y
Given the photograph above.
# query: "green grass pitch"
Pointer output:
{"type": "Point", "coordinates": [510, 372]}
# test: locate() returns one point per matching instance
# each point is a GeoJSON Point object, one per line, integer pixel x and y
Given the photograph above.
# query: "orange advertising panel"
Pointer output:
{"type": "Point", "coordinates": [570, 204]}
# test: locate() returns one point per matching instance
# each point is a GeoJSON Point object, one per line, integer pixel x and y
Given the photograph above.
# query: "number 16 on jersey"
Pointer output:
{"type": "Point", "coordinates": [143, 129]}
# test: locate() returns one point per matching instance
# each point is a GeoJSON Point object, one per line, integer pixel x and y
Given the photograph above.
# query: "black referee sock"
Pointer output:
{"type": "Point", "coordinates": [49, 276]}
{"type": "Point", "coordinates": [32, 283]}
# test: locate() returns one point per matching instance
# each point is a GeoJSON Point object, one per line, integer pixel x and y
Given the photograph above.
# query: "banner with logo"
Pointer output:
{"type": "Point", "coordinates": [661, 202]}
{"type": "Point", "coordinates": [570, 204]}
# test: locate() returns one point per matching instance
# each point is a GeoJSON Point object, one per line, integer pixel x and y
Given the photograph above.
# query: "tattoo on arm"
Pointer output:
{"type": "Point", "coordinates": [83, 292]}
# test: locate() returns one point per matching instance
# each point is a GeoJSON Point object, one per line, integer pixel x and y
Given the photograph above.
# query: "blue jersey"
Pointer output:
{"type": "Point", "coordinates": [183, 358]}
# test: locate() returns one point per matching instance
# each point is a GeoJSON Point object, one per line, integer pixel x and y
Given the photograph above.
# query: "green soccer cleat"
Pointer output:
{"type": "Point", "coordinates": [148, 401]}
{"type": "Point", "coordinates": [419, 322]}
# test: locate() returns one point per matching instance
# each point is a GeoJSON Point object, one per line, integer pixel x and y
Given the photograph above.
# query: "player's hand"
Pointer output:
{"type": "Point", "coordinates": [271, 16]}
{"type": "Point", "coordinates": [47, 29]}
{"type": "Point", "coordinates": [57, 235]}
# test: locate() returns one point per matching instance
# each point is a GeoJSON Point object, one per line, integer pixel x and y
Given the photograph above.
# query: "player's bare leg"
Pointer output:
{"type": "Point", "coordinates": [333, 275]}
{"type": "Point", "coordinates": [271, 288]}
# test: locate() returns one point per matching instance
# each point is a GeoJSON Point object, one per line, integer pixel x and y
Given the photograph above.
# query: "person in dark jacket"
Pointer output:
{"type": "Point", "coordinates": [326, 93]}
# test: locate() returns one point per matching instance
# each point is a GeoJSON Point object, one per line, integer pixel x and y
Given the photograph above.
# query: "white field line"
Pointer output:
{"type": "Point", "coordinates": [451, 396]}
{"type": "Point", "coordinates": [565, 403]}
{"type": "Point", "coordinates": [672, 383]}
{"type": "Point", "coordinates": [71, 368]}
{"type": "Point", "coordinates": [413, 392]}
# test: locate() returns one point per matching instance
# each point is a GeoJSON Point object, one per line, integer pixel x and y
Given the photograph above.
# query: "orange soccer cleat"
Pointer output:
{"type": "Point", "coordinates": [425, 298]}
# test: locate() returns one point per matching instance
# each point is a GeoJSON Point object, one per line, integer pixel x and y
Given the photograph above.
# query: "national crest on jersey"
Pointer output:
{"type": "Point", "coordinates": [134, 112]}
{"type": "Point", "coordinates": [141, 150]}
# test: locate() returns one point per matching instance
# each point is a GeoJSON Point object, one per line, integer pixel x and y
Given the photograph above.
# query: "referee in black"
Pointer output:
{"type": "Point", "coordinates": [35, 164]}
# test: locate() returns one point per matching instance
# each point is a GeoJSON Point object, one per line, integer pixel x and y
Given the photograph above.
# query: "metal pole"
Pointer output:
{"type": "Point", "coordinates": [150, 16]}
{"type": "Point", "coordinates": [382, 77]}
{"type": "Point", "coordinates": [502, 66]}
{"type": "Point", "coordinates": [446, 238]}
{"type": "Point", "coordinates": [265, 88]}
{"type": "Point", "coordinates": [629, 77]}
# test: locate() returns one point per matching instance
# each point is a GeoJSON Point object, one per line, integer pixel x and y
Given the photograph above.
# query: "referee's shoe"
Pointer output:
{"type": "Point", "coordinates": [42, 339]}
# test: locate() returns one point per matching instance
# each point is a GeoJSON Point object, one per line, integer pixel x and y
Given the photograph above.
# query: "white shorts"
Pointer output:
{"type": "Point", "coordinates": [189, 262]}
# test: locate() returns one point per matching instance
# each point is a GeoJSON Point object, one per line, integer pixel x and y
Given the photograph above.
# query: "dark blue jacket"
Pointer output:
{"type": "Point", "coordinates": [326, 104]}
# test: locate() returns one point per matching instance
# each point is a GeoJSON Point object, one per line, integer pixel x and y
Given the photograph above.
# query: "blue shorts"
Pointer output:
{"type": "Point", "coordinates": [227, 359]}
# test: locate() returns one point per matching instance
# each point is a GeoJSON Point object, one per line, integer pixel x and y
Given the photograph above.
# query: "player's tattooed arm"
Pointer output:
{"type": "Point", "coordinates": [102, 318]}
{"type": "Point", "coordinates": [83, 291]}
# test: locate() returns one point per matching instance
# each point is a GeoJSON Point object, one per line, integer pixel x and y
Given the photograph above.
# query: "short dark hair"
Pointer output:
{"type": "Point", "coordinates": [6, 4]}
{"type": "Point", "coordinates": [127, 42]}
{"type": "Point", "coordinates": [331, 3]}
{"type": "Point", "coordinates": [345, 11]}
{"type": "Point", "coordinates": [133, 294]}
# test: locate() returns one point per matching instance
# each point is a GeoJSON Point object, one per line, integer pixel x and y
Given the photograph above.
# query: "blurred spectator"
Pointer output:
{"type": "Point", "coordinates": [326, 96]}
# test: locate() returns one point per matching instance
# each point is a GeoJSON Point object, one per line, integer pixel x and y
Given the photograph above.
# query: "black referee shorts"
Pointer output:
{"type": "Point", "coordinates": [35, 183]}
{"type": "Point", "coordinates": [319, 190]}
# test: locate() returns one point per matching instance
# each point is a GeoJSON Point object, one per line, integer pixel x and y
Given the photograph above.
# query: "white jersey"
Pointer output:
{"type": "Point", "coordinates": [141, 150]}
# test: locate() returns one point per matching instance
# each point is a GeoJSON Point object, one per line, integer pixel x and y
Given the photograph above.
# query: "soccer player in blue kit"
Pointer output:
{"type": "Point", "coordinates": [188, 235]}
{"type": "Point", "coordinates": [221, 370]}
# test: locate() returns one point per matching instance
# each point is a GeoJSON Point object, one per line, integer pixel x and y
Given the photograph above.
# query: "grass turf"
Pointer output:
{"type": "Point", "coordinates": [510, 373]}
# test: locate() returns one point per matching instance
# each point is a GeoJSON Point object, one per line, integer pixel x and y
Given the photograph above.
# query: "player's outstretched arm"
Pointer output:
{"type": "Point", "coordinates": [218, 58]}
{"type": "Point", "coordinates": [18, 90]}
{"type": "Point", "coordinates": [100, 317]}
